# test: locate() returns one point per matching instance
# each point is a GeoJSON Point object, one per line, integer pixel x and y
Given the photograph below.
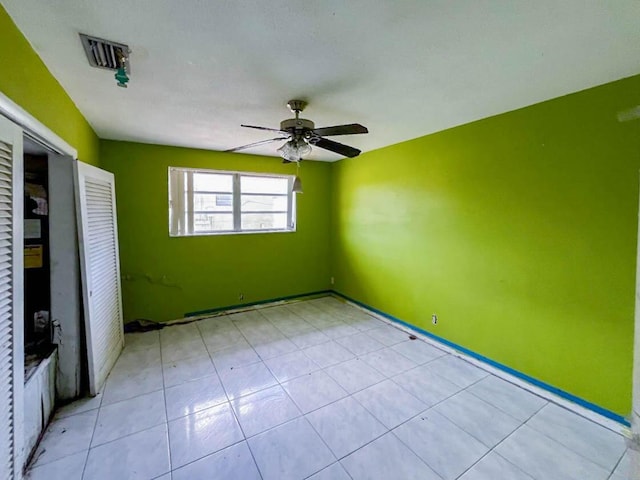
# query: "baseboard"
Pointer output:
{"type": "Point", "coordinates": [259, 302]}
{"type": "Point", "coordinates": [544, 389]}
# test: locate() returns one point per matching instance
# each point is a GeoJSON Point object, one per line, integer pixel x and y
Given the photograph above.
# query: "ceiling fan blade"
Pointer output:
{"type": "Point", "coordinates": [350, 129]}
{"type": "Point", "coordinates": [336, 147]}
{"type": "Point", "coordinates": [255, 144]}
{"type": "Point", "coordinates": [264, 128]}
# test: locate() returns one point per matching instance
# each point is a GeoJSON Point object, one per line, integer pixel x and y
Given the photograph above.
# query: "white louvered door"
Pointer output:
{"type": "Point", "coordinates": [11, 300]}
{"type": "Point", "coordinates": [100, 267]}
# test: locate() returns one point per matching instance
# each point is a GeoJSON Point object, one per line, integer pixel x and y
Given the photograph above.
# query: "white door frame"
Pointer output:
{"type": "Point", "coordinates": [33, 128]}
{"type": "Point", "coordinates": [36, 130]}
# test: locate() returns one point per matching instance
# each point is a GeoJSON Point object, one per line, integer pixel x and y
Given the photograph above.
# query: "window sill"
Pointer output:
{"type": "Point", "coordinates": [217, 234]}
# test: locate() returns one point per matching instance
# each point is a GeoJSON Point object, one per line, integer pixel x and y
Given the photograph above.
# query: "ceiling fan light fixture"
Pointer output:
{"type": "Point", "coordinates": [294, 150]}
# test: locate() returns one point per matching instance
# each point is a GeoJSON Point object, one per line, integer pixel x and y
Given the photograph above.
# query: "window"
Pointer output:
{"type": "Point", "coordinates": [205, 202]}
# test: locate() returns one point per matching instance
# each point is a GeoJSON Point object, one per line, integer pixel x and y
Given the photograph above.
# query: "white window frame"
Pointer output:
{"type": "Point", "coordinates": [182, 224]}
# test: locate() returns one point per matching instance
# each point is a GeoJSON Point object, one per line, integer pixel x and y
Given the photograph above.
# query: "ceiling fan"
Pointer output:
{"type": "Point", "coordinates": [301, 134]}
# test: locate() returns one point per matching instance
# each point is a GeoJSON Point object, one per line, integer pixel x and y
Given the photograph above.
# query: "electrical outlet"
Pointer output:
{"type": "Point", "coordinates": [434, 319]}
{"type": "Point", "coordinates": [333, 281]}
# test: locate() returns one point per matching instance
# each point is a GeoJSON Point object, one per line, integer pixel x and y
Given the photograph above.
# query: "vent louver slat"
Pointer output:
{"type": "Point", "coordinates": [105, 53]}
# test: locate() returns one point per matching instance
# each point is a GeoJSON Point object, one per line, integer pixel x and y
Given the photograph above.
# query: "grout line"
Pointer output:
{"type": "Point", "coordinates": [617, 463]}
{"type": "Point", "coordinates": [303, 415]}
{"type": "Point", "coordinates": [166, 411]}
{"type": "Point", "coordinates": [233, 412]}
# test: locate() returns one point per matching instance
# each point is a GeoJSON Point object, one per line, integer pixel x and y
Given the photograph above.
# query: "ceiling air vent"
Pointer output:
{"type": "Point", "coordinates": [105, 53]}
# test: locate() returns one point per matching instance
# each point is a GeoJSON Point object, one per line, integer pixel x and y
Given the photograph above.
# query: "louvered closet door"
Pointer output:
{"type": "Point", "coordinates": [100, 265]}
{"type": "Point", "coordinates": [11, 299]}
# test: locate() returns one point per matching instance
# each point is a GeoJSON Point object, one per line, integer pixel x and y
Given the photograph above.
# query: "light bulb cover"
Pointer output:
{"type": "Point", "coordinates": [297, 185]}
{"type": "Point", "coordinates": [294, 150]}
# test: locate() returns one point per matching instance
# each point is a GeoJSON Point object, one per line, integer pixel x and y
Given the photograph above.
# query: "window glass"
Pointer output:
{"type": "Point", "coordinates": [251, 184]}
{"type": "Point", "coordinates": [212, 182]}
{"type": "Point", "coordinates": [212, 222]}
{"type": "Point", "coordinates": [264, 221]}
{"type": "Point", "coordinates": [210, 202]}
{"type": "Point", "coordinates": [263, 203]}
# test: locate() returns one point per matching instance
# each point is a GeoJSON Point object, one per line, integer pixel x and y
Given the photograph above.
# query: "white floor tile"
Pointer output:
{"type": "Point", "coordinates": [194, 396]}
{"type": "Point", "coordinates": [447, 449]}
{"type": "Point", "coordinates": [129, 416]}
{"type": "Point", "coordinates": [236, 355]}
{"type": "Point", "coordinates": [328, 353]}
{"type": "Point", "coordinates": [232, 463]}
{"type": "Point", "coordinates": [596, 443]}
{"type": "Point", "coordinates": [425, 385]}
{"type": "Point", "coordinates": [180, 371]}
{"type": "Point", "coordinates": [290, 452]}
{"type": "Point", "coordinates": [543, 458]}
{"type": "Point", "coordinates": [202, 433]}
{"type": "Point", "coordinates": [133, 341]}
{"type": "Point", "coordinates": [478, 418]}
{"type": "Point", "coordinates": [125, 384]}
{"type": "Point", "coordinates": [330, 422]}
{"type": "Point", "coordinates": [388, 362]}
{"type": "Point", "coordinates": [309, 338]}
{"type": "Point", "coordinates": [355, 375]}
{"type": "Point", "coordinates": [387, 458]}
{"type": "Point", "coordinates": [293, 327]}
{"type": "Point", "coordinates": [456, 370]}
{"type": "Point", "coordinates": [291, 365]}
{"type": "Point", "coordinates": [323, 321]}
{"type": "Point", "coordinates": [388, 335]}
{"type": "Point", "coordinates": [508, 397]}
{"type": "Point", "coordinates": [264, 410]}
{"type": "Point", "coordinates": [623, 469]}
{"type": "Point", "coordinates": [179, 333]}
{"type": "Point", "coordinates": [418, 351]}
{"type": "Point", "coordinates": [184, 349]}
{"type": "Point", "coordinates": [66, 436]}
{"type": "Point", "coordinates": [215, 325]}
{"type": "Point", "coordinates": [364, 322]}
{"type": "Point", "coordinates": [332, 472]}
{"type": "Point", "coordinates": [131, 437]}
{"type": "Point", "coordinates": [133, 360]}
{"type": "Point", "coordinates": [360, 343]}
{"type": "Point", "coordinates": [79, 406]}
{"type": "Point", "coordinates": [260, 334]}
{"type": "Point", "coordinates": [220, 340]}
{"type": "Point", "coordinates": [275, 348]}
{"type": "Point", "coordinates": [493, 467]}
{"type": "Point", "coordinates": [390, 403]}
{"type": "Point", "coordinates": [143, 455]}
{"type": "Point", "coordinates": [314, 390]}
{"type": "Point", "coordinates": [66, 468]}
{"type": "Point", "coordinates": [239, 381]}
{"type": "Point", "coordinates": [339, 330]}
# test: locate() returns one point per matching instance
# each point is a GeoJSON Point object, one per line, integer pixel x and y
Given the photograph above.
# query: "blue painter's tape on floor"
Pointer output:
{"type": "Point", "coordinates": [538, 383]}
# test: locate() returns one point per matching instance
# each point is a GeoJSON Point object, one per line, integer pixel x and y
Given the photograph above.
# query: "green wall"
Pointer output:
{"type": "Point", "coordinates": [165, 277]}
{"type": "Point", "coordinates": [519, 231]}
{"type": "Point", "coordinates": [28, 82]}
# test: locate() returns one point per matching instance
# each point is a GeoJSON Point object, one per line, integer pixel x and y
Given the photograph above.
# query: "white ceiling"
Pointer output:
{"type": "Point", "coordinates": [402, 68]}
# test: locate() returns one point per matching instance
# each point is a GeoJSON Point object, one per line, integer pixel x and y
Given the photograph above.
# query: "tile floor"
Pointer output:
{"type": "Point", "coordinates": [316, 389]}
